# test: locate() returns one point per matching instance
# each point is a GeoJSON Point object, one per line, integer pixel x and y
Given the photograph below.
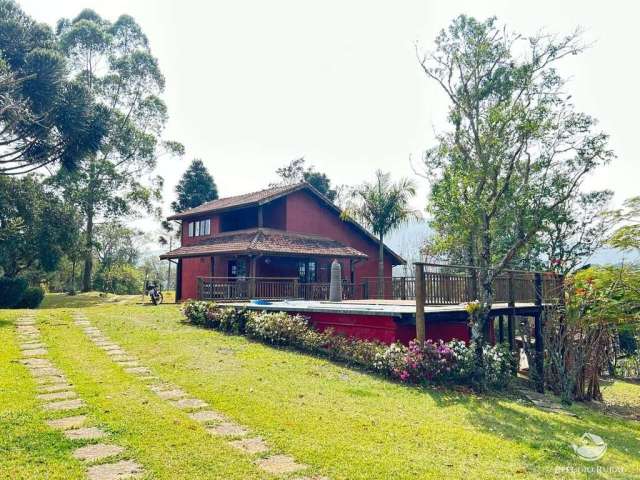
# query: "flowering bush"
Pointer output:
{"type": "Point", "coordinates": [430, 362]}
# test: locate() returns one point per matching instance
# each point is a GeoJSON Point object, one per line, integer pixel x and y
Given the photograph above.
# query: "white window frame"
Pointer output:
{"type": "Point", "coordinates": [190, 226]}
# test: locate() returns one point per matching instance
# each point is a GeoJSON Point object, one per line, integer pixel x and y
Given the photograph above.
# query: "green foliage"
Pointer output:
{"type": "Point", "coordinates": [195, 187]}
{"type": "Point", "coordinates": [113, 63]}
{"type": "Point", "coordinates": [627, 237]}
{"type": "Point", "coordinates": [297, 171]}
{"type": "Point", "coordinates": [32, 298]}
{"type": "Point", "coordinates": [36, 227]}
{"type": "Point", "coordinates": [119, 278]}
{"type": "Point", "coordinates": [11, 291]}
{"type": "Point", "coordinates": [45, 118]}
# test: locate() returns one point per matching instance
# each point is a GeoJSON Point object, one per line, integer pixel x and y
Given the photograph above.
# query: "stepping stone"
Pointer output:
{"type": "Point", "coordinates": [116, 352]}
{"type": "Point", "coordinates": [122, 358]}
{"type": "Point", "coordinates": [99, 451]}
{"type": "Point", "coordinates": [54, 387]}
{"type": "Point", "coordinates": [110, 346]}
{"type": "Point", "coordinates": [82, 322]}
{"type": "Point", "coordinates": [137, 370]}
{"type": "Point", "coordinates": [27, 329]}
{"type": "Point", "coordinates": [57, 395]}
{"type": "Point", "coordinates": [85, 433]}
{"type": "Point", "coordinates": [129, 363]}
{"type": "Point", "coordinates": [68, 423]}
{"type": "Point", "coordinates": [34, 352]}
{"type": "Point", "coordinates": [279, 464]}
{"type": "Point", "coordinates": [160, 387]}
{"type": "Point", "coordinates": [37, 362]}
{"type": "Point", "coordinates": [205, 416]}
{"type": "Point", "coordinates": [251, 445]}
{"type": "Point", "coordinates": [114, 471]}
{"type": "Point", "coordinates": [64, 405]}
{"type": "Point", "coordinates": [189, 403]}
{"type": "Point", "coordinates": [51, 379]}
{"type": "Point", "coordinates": [149, 378]}
{"type": "Point", "coordinates": [46, 372]}
{"type": "Point", "coordinates": [315, 477]}
{"type": "Point", "coordinates": [228, 429]}
{"type": "Point", "coordinates": [172, 394]}
{"type": "Point", "coordinates": [32, 345]}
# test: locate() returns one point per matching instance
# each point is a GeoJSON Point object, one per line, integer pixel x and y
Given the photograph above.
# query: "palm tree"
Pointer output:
{"type": "Point", "coordinates": [382, 206]}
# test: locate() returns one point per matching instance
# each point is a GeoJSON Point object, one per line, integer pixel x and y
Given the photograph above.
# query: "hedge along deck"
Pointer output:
{"type": "Point", "coordinates": [387, 320]}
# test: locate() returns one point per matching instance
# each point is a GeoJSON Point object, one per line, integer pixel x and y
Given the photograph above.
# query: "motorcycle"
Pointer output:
{"type": "Point", "coordinates": [155, 294]}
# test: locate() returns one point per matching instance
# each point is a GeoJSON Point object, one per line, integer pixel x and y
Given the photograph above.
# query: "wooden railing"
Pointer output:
{"type": "Point", "coordinates": [441, 288]}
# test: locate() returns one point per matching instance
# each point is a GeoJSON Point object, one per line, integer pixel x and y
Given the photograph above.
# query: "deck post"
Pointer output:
{"type": "Point", "coordinates": [511, 321]}
{"type": "Point", "coordinates": [420, 300]}
{"type": "Point", "coordinates": [501, 328]}
{"type": "Point", "coordinates": [199, 290]}
{"type": "Point", "coordinates": [539, 333]}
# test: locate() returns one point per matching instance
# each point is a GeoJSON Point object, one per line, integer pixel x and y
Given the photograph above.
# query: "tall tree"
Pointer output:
{"type": "Point", "coordinates": [36, 226]}
{"type": "Point", "coordinates": [382, 206]}
{"type": "Point", "coordinates": [297, 171]}
{"type": "Point", "coordinates": [627, 237]}
{"type": "Point", "coordinates": [195, 187]}
{"type": "Point", "coordinates": [44, 118]}
{"type": "Point", "coordinates": [113, 62]}
{"type": "Point", "coordinates": [516, 150]}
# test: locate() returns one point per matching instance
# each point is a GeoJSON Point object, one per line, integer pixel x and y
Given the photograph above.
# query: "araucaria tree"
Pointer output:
{"type": "Point", "coordinates": [516, 150]}
{"type": "Point", "coordinates": [113, 62]}
{"type": "Point", "coordinates": [195, 187]}
{"type": "Point", "coordinates": [382, 206]}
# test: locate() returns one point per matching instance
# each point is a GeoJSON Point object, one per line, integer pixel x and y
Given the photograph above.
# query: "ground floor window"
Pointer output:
{"type": "Point", "coordinates": [307, 271]}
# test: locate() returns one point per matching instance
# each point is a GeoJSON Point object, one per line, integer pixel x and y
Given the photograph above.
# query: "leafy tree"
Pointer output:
{"type": "Point", "coordinates": [297, 171]}
{"type": "Point", "coordinates": [44, 118]}
{"type": "Point", "coordinates": [120, 278]}
{"type": "Point", "coordinates": [36, 226]}
{"type": "Point", "coordinates": [515, 153]}
{"type": "Point", "coordinates": [627, 237]}
{"type": "Point", "coordinates": [113, 62]}
{"type": "Point", "coordinates": [117, 244]}
{"type": "Point", "coordinates": [382, 206]}
{"type": "Point", "coordinates": [195, 187]}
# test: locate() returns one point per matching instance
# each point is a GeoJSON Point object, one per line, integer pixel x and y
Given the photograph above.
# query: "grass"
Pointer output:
{"type": "Point", "coordinates": [343, 423]}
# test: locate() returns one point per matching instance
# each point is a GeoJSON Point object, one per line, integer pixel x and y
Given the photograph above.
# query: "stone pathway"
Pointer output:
{"type": "Point", "coordinates": [214, 422]}
{"type": "Point", "coordinates": [57, 395]}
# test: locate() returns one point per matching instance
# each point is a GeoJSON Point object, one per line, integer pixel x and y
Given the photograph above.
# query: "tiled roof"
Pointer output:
{"type": "Point", "coordinates": [246, 200]}
{"type": "Point", "coordinates": [266, 241]}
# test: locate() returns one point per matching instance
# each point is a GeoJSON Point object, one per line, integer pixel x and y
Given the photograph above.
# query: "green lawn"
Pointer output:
{"type": "Point", "coordinates": [343, 423]}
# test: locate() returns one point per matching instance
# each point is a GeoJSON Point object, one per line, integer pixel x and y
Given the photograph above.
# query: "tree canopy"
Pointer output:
{"type": "Point", "coordinates": [45, 118]}
{"type": "Point", "coordinates": [195, 187]}
{"type": "Point", "coordinates": [113, 62]}
{"type": "Point", "coordinates": [297, 171]}
{"type": "Point", "coordinates": [516, 150]}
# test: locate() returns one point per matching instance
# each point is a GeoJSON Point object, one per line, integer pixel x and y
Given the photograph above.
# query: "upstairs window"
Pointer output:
{"type": "Point", "coordinates": [199, 228]}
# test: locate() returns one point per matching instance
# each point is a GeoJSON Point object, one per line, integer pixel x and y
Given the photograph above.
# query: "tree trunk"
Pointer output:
{"type": "Point", "coordinates": [73, 275]}
{"type": "Point", "coordinates": [88, 259]}
{"type": "Point", "coordinates": [381, 268]}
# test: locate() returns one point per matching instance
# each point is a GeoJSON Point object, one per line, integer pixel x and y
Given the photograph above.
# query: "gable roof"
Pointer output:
{"type": "Point", "coordinates": [262, 197]}
{"type": "Point", "coordinates": [267, 241]}
{"type": "Point", "coordinates": [240, 201]}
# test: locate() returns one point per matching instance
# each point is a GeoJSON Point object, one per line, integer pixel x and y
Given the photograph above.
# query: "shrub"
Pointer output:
{"type": "Point", "coordinates": [278, 328]}
{"type": "Point", "coordinates": [11, 291]}
{"type": "Point", "coordinates": [32, 298]}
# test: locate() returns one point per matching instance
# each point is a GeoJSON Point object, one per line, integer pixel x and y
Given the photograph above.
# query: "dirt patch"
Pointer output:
{"type": "Point", "coordinates": [251, 446]}
{"type": "Point", "coordinates": [68, 423]}
{"type": "Point", "coordinates": [99, 451]}
{"type": "Point", "coordinates": [114, 471]}
{"type": "Point", "coordinates": [85, 433]}
{"type": "Point", "coordinates": [279, 464]}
